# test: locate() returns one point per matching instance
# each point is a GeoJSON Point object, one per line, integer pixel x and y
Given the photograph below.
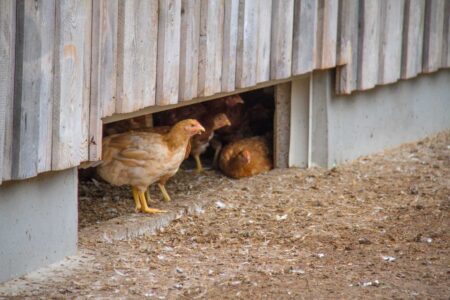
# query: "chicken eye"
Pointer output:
{"type": "Point", "coordinates": [192, 125]}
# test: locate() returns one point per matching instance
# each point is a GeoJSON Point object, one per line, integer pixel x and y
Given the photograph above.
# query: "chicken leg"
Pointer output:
{"type": "Point", "coordinates": [217, 146]}
{"type": "Point", "coordinates": [198, 163]}
{"type": "Point", "coordinates": [141, 202]}
{"type": "Point", "coordinates": [137, 202]}
{"type": "Point", "coordinates": [166, 196]}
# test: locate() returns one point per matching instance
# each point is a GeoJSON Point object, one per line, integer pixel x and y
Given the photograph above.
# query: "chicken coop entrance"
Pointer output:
{"type": "Point", "coordinates": [245, 134]}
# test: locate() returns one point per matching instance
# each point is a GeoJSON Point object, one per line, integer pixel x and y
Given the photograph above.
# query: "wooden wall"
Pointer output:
{"type": "Point", "coordinates": [66, 64]}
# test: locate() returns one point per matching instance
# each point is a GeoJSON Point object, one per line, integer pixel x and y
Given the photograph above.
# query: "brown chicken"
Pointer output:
{"type": "Point", "coordinates": [164, 130]}
{"type": "Point", "coordinates": [139, 159]}
{"type": "Point", "coordinates": [171, 117]}
{"type": "Point", "coordinates": [233, 107]}
{"type": "Point", "coordinates": [246, 157]}
{"type": "Point", "coordinates": [201, 142]}
{"type": "Point", "coordinates": [223, 104]}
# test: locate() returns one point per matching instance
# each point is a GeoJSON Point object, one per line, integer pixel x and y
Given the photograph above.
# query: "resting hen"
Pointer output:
{"type": "Point", "coordinates": [140, 158]}
{"type": "Point", "coordinates": [246, 157]}
{"type": "Point", "coordinates": [201, 142]}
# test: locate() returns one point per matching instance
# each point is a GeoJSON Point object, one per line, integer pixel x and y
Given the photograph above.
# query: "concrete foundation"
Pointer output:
{"type": "Point", "coordinates": [38, 222]}
{"type": "Point", "coordinates": [342, 128]}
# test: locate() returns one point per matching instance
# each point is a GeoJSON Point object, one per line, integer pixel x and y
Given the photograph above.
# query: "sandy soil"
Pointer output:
{"type": "Point", "coordinates": [375, 228]}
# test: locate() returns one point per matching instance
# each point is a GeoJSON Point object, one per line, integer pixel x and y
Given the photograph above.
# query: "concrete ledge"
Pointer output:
{"type": "Point", "coordinates": [130, 226]}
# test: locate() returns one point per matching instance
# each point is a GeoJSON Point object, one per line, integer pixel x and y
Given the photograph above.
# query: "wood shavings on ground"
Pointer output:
{"type": "Point", "coordinates": [340, 224]}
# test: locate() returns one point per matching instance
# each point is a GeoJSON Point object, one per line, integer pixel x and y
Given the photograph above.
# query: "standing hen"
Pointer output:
{"type": "Point", "coordinates": [200, 142]}
{"type": "Point", "coordinates": [142, 158]}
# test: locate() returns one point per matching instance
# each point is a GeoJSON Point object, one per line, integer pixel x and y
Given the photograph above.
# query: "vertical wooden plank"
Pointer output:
{"type": "Point", "coordinates": [190, 33]}
{"type": "Point", "coordinates": [103, 70]}
{"type": "Point", "coordinates": [433, 35]}
{"type": "Point", "coordinates": [229, 45]}
{"type": "Point", "coordinates": [446, 41]}
{"type": "Point", "coordinates": [7, 55]}
{"type": "Point", "coordinates": [218, 40]}
{"type": "Point", "coordinates": [87, 59]}
{"type": "Point", "coordinates": [210, 47]}
{"type": "Point", "coordinates": [47, 32]}
{"type": "Point", "coordinates": [247, 44]}
{"type": "Point", "coordinates": [168, 62]}
{"type": "Point", "coordinates": [390, 41]}
{"type": "Point", "coordinates": [347, 48]}
{"type": "Point", "coordinates": [264, 34]}
{"type": "Point", "coordinates": [369, 40]}
{"type": "Point", "coordinates": [413, 27]}
{"type": "Point", "coordinates": [281, 48]}
{"type": "Point", "coordinates": [33, 88]}
{"type": "Point", "coordinates": [305, 26]}
{"type": "Point", "coordinates": [69, 78]}
{"type": "Point", "coordinates": [282, 125]}
{"type": "Point", "coordinates": [104, 54]}
{"type": "Point", "coordinates": [327, 19]}
{"type": "Point", "coordinates": [136, 54]}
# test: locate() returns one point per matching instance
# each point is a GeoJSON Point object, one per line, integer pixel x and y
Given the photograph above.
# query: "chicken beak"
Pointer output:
{"type": "Point", "coordinates": [201, 128]}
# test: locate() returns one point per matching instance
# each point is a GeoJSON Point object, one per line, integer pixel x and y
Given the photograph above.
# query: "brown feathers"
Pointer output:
{"type": "Point", "coordinates": [246, 157]}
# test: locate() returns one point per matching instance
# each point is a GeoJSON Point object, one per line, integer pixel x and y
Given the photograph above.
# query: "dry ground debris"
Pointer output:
{"type": "Point", "coordinates": [378, 227]}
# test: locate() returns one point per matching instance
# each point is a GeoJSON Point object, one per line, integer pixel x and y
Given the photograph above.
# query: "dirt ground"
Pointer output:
{"type": "Point", "coordinates": [375, 228]}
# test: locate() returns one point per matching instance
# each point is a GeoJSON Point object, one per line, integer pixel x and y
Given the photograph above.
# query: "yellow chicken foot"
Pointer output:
{"type": "Point", "coordinates": [164, 192]}
{"type": "Point", "coordinates": [136, 198]}
{"type": "Point", "coordinates": [144, 206]}
{"type": "Point", "coordinates": [199, 163]}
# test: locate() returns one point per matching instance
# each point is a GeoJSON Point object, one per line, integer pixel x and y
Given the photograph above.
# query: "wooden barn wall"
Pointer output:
{"type": "Point", "coordinates": [66, 64]}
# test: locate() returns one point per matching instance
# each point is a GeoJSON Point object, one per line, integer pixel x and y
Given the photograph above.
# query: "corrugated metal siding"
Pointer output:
{"type": "Point", "coordinates": [66, 64]}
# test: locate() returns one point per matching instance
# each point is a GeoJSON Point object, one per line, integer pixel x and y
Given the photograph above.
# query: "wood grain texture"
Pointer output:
{"type": "Point", "coordinates": [210, 47]}
{"type": "Point", "coordinates": [264, 36]}
{"type": "Point", "coordinates": [327, 19]}
{"type": "Point", "coordinates": [230, 33]}
{"type": "Point", "coordinates": [137, 52]}
{"type": "Point", "coordinates": [7, 57]}
{"type": "Point", "coordinates": [218, 57]}
{"type": "Point", "coordinates": [103, 71]}
{"type": "Point", "coordinates": [412, 45]}
{"type": "Point", "coordinates": [368, 46]}
{"type": "Point", "coordinates": [104, 55]}
{"type": "Point", "coordinates": [33, 88]}
{"type": "Point", "coordinates": [247, 44]}
{"type": "Point", "coordinates": [433, 35]}
{"type": "Point", "coordinates": [87, 59]}
{"type": "Point", "coordinates": [190, 34]}
{"type": "Point", "coordinates": [69, 93]}
{"type": "Point", "coordinates": [168, 62]}
{"type": "Point", "coordinates": [390, 41]}
{"type": "Point", "coordinates": [347, 48]}
{"type": "Point", "coordinates": [304, 41]}
{"type": "Point", "coordinates": [282, 125]}
{"type": "Point", "coordinates": [282, 30]}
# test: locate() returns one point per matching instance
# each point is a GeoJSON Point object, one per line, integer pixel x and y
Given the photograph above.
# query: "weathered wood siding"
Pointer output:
{"type": "Point", "coordinates": [66, 64]}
